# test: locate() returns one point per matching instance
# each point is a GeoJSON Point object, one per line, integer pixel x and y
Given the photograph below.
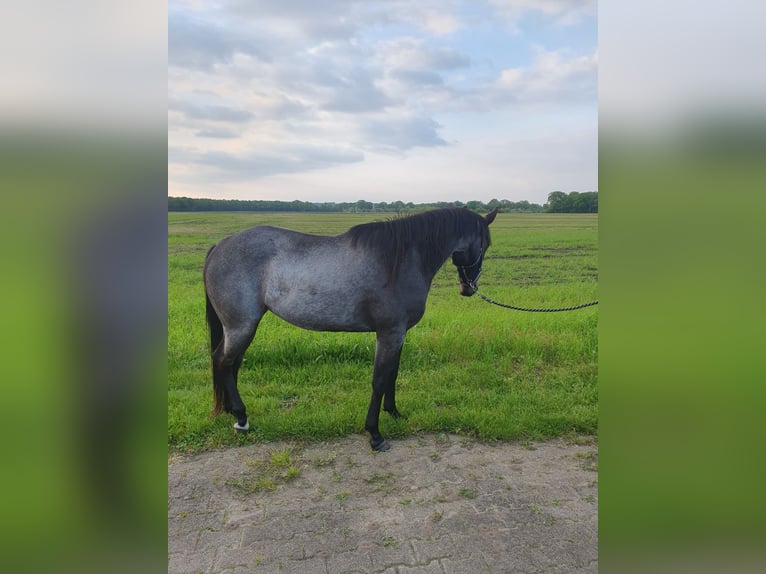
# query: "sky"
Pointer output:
{"type": "Point", "coordinates": [411, 100]}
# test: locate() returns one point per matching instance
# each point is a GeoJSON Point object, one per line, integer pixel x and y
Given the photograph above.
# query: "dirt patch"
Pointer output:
{"type": "Point", "coordinates": [433, 503]}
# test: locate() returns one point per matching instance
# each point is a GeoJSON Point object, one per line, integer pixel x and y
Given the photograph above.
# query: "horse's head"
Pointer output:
{"type": "Point", "coordinates": [469, 257]}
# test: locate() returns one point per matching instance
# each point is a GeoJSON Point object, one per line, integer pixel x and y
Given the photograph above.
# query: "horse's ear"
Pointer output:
{"type": "Point", "coordinates": [491, 216]}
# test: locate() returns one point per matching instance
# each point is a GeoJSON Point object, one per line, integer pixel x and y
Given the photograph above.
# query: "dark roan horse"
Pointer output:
{"type": "Point", "coordinates": [374, 277]}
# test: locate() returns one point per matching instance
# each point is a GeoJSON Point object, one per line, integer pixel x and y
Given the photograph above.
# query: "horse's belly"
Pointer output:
{"type": "Point", "coordinates": [322, 322]}
{"type": "Point", "coordinates": [318, 310]}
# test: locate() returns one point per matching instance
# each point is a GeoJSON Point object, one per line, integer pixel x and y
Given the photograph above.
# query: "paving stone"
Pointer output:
{"type": "Point", "coordinates": [349, 563]}
{"type": "Point", "coordinates": [428, 550]}
{"type": "Point", "coordinates": [393, 552]}
{"type": "Point", "coordinates": [434, 504]}
{"type": "Point", "coordinates": [431, 568]}
{"type": "Point", "coordinates": [473, 565]}
{"type": "Point", "coordinates": [192, 562]}
{"type": "Point", "coordinates": [311, 566]}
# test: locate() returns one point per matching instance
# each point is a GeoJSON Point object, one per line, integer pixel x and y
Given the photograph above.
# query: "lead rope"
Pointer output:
{"type": "Point", "coordinates": [472, 285]}
{"type": "Point", "coordinates": [488, 300]}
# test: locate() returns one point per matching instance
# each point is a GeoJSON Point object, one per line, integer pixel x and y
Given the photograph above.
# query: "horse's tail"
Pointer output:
{"type": "Point", "coordinates": [216, 338]}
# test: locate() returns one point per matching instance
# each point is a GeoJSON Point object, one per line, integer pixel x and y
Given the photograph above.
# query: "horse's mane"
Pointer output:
{"type": "Point", "coordinates": [429, 232]}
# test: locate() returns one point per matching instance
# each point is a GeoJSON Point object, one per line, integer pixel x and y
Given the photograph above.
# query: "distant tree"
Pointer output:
{"type": "Point", "coordinates": [475, 205]}
{"type": "Point", "coordinates": [573, 202]}
{"type": "Point", "coordinates": [590, 202]}
{"type": "Point", "coordinates": [397, 206]}
{"type": "Point", "coordinates": [363, 206]}
{"type": "Point", "coordinates": [587, 201]}
{"type": "Point", "coordinates": [557, 202]}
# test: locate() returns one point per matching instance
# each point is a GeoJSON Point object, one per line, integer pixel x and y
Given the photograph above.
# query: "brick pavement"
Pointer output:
{"type": "Point", "coordinates": [433, 504]}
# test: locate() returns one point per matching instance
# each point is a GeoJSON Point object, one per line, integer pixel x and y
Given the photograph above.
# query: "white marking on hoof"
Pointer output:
{"type": "Point", "coordinates": [244, 428]}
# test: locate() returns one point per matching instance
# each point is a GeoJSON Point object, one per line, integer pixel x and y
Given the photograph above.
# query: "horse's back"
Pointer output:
{"type": "Point", "coordinates": [256, 247]}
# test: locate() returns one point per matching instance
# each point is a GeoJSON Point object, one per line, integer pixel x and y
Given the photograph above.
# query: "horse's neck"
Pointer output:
{"type": "Point", "coordinates": [447, 248]}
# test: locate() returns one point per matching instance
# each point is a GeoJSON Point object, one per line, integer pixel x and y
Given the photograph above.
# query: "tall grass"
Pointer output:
{"type": "Point", "coordinates": [466, 367]}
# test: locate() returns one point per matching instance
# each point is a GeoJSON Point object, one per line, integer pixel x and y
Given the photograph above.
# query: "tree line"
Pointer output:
{"type": "Point", "coordinates": [556, 204]}
{"type": "Point", "coordinates": [574, 202]}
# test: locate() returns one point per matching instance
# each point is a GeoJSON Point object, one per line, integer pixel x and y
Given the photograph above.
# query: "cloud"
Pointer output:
{"type": "Point", "coordinates": [304, 21]}
{"type": "Point", "coordinates": [401, 133]}
{"type": "Point", "coordinates": [217, 133]}
{"type": "Point", "coordinates": [418, 77]}
{"type": "Point", "coordinates": [439, 23]}
{"type": "Point", "coordinates": [221, 166]}
{"type": "Point", "coordinates": [561, 12]}
{"type": "Point", "coordinates": [418, 74]}
{"type": "Point", "coordinates": [355, 91]}
{"type": "Point", "coordinates": [212, 112]}
{"type": "Point", "coordinates": [410, 52]}
{"type": "Point", "coordinates": [435, 18]}
{"type": "Point", "coordinates": [283, 107]}
{"type": "Point", "coordinates": [264, 88]}
{"type": "Point", "coordinates": [552, 78]}
{"type": "Point", "coordinates": [199, 43]}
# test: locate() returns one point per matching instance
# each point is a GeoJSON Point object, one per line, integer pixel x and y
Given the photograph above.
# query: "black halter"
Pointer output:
{"type": "Point", "coordinates": [465, 275]}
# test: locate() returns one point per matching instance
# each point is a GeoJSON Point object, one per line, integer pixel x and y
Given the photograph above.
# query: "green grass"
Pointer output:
{"type": "Point", "coordinates": [467, 367]}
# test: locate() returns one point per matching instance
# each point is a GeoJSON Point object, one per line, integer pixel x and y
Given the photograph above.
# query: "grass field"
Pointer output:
{"type": "Point", "coordinates": [467, 367]}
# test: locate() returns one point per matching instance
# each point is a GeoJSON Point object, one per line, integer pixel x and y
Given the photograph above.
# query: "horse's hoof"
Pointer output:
{"type": "Point", "coordinates": [380, 446]}
{"type": "Point", "coordinates": [242, 429]}
{"type": "Point", "coordinates": [397, 416]}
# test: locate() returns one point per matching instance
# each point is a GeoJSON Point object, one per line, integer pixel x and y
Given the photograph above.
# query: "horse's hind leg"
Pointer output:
{"type": "Point", "coordinates": [227, 360]}
{"type": "Point", "coordinates": [389, 397]}
{"type": "Point", "coordinates": [388, 350]}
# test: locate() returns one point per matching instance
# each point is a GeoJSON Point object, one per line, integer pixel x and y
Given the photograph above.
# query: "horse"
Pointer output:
{"type": "Point", "coordinates": [374, 277]}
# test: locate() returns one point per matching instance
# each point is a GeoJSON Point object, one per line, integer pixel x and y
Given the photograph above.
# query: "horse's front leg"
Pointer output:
{"type": "Point", "coordinates": [389, 396]}
{"type": "Point", "coordinates": [388, 350]}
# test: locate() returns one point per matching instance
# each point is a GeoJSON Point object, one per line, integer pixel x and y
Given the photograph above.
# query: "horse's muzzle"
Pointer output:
{"type": "Point", "coordinates": [466, 290]}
